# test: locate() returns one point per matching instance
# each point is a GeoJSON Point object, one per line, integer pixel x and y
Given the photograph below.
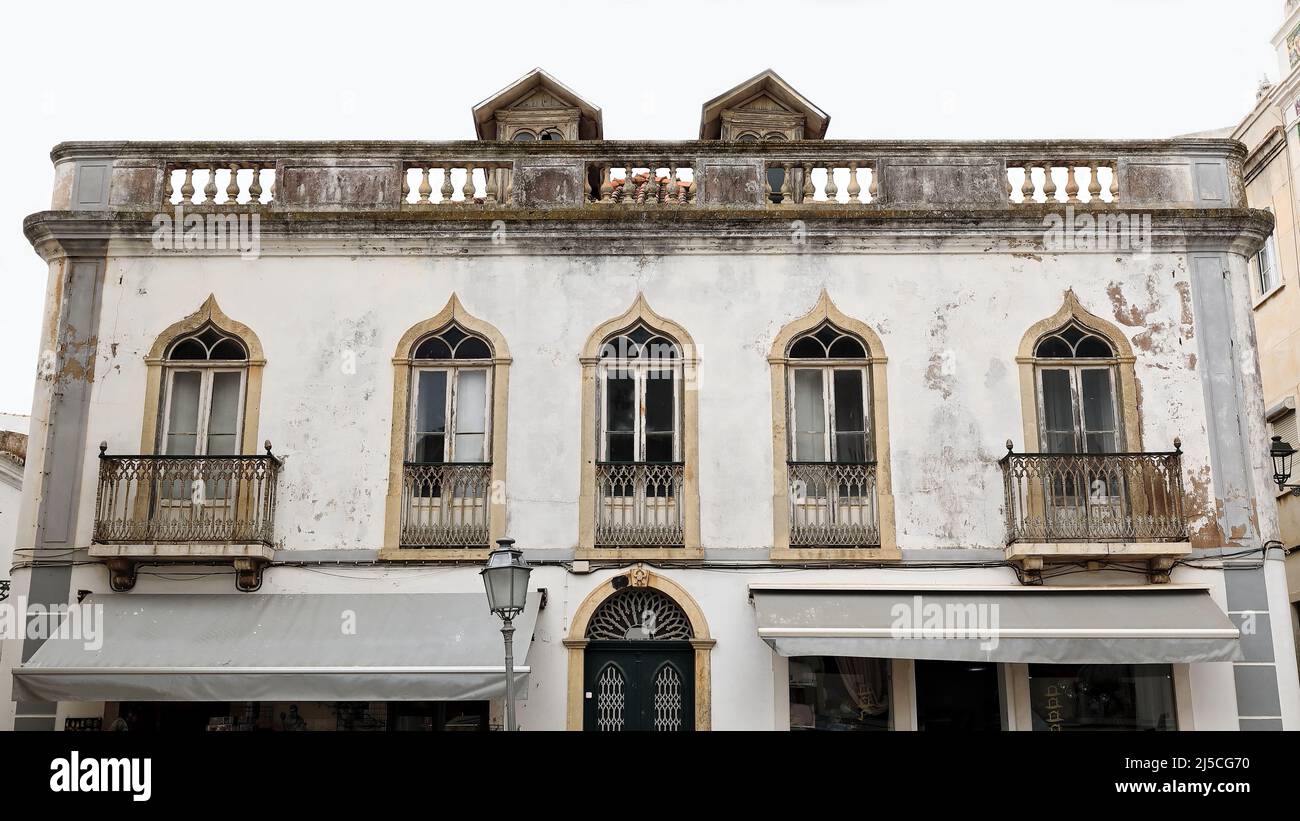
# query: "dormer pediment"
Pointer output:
{"type": "Point", "coordinates": [762, 107]}
{"type": "Point", "coordinates": [537, 106]}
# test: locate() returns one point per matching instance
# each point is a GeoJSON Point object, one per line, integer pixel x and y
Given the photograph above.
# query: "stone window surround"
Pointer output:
{"type": "Point", "coordinates": [640, 312]}
{"type": "Point", "coordinates": [826, 311]}
{"type": "Point", "coordinates": [156, 364]}
{"type": "Point", "coordinates": [453, 311]}
{"type": "Point", "coordinates": [1123, 362]}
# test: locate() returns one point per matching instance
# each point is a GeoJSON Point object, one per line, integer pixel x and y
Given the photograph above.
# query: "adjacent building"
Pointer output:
{"type": "Point", "coordinates": [798, 433]}
{"type": "Point", "coordinates": [1271, 133]}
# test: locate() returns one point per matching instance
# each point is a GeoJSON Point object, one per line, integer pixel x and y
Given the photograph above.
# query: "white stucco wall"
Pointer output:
{"type": "Point", "coordinates": [947, 429]}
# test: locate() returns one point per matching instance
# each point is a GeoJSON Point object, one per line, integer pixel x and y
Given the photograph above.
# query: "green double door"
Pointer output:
{"type": "Point", "coordinates": [639, 685]}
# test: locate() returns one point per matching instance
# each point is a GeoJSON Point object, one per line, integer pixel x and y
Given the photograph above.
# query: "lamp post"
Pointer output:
{"type": "Point", "coordinates": [506, 580]}
{"type": "Point", "coordinates": [1281, 451]}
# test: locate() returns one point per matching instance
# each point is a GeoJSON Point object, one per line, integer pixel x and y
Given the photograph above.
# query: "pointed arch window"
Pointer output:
{"type": "Point", "coordinates": [1077, 381]}
{"type": "Point", "coordinates": [450, 403]}
{"type": "Point", "coordinates": [640, 378]}
{"type": "Point", "coordinates": [205, 383]}
{"type": "Point", "coordinates": [640, 491]}
{"type": "Point", "coordinates": [832, 495]}
{"type": "Point", "coordinates": [830, 411]}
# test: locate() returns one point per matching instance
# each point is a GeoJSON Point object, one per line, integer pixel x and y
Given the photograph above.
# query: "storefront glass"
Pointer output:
{"type": "Point", "coordinates": [1102, 697]}
{"type": "Point", "coordinates": [839, 693]}
{"type": "Point", "coordinates": [957, 696]}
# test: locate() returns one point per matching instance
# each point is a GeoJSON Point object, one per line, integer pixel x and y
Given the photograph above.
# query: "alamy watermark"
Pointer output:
{"type": "Point", "coordinates": [81, 622]}
{"type": "Point", "coordinates": [208, 231]}
{"type": "Point", "coordinates": [1096, 231]}
{"type": "Point", "coordinates": [919, 619]}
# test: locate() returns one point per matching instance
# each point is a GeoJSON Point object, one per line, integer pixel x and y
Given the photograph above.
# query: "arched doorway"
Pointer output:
{"type": "Point", "coordinates": [639, 658]}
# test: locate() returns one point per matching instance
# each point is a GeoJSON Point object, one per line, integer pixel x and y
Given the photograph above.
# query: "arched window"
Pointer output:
{"type": "Point", "coordinates": [524, 136]}
{"type": "Point", "coordinates": [203, 403]}
{"type": "Point", "coordinates": [450, 405]}
{"type": "Point", "coordinates": [447, 452]}
{"type": "Point", "coordinates": [830, 409]}
{"type": "Point", "coordinates": [640, 382]}
{"type": "Point", "coordinates": [1077, 385]}
{"type": "Point", "coordinates": [640, 489]}
{"type": "Point", "coordinates": [832, 491]}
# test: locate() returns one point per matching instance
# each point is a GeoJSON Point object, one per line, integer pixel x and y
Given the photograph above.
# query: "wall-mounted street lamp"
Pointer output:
{"type": "Point", "coordinates": [506, 580]}
{"type": "Point", "coordinates": [1282, 452]}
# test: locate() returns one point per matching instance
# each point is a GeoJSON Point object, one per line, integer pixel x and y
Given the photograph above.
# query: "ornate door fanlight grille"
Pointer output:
{"type": "Point", "coordinates": [639, 613]}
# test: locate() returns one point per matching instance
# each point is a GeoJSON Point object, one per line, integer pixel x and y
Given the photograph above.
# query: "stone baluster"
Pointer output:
{"type": "Point", "coordinates": [832, 191]}
{"type": "Point", "coordinates": [210, 190]}
{"type": "Point", "coordinates": [629, 187]}
{"type": "Point", "coordinates": [167, 185]}
{"type": "Point", "coordinates": [232, 188]}
{"type": "Point", "coordinates": [767, 184]}
{"type": "Point", "coordinates": [1071, 184]}
{"type": "Point", "coordinates": [874, 190]}
{"type": "Point", "coordinates": [446, 189]}
{"type": "Point", "coordinates": [691, 190]}
{"type": "Point", "coordinates": [489, 186]}
{"type": "Point", "coordinates": [426, 188]}
{"type": "Point", "coordinates": [1114, 182]}
{"type": "Point", "coordinates": [606, 183]}
{"type": "Point", "coordinates": [187, 187]}
{"type": "Point", "coordinates": [651, 183]}
{"type": "Point", "coordinates": [809, 190]}
{"type": "Point", "coordinates": [1006, 181]}
{"type": "Point", "coordinates": [467, 190]}
{"type": "Point", "coordinates": [1049, 183]}
{"type": "Point", "coordinates": [855, 187]}
{"type": "Point", "coordinates": [674, 193]}
{"type": "Point", "coordinates": [255, 187]}
{"type": "Point", "coordinates": [270, 194]}
{"type": "Point", "coordinates": [1027, 187]}
{"type": "Point", "coordinates": [787, 184]}
{"type": "Point", "coordinates": [1094, 184]}
{"type": "Point", "coordinates": [406, 184]}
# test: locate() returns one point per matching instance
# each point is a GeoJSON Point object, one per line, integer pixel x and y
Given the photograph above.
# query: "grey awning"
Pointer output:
{"type": "Point", "coordinates": [281, 647]}
{"type": "Point", "coordinates": [1156, 624]}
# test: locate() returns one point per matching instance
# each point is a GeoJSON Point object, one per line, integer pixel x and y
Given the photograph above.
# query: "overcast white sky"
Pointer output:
{"type": "Point", "coordinates": [390, 70]}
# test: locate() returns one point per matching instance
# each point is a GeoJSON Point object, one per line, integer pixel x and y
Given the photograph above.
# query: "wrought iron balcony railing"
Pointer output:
{"type": "Point", "coordinates": [445, 504]}
{"type": "Point", "coordinates": [151, 499]}
{"type": "Point", "coordinates": [1094, 497]}
{"type": "Point", "coordinates": [4, 589]}
{"type": "Point", "coordinates": [833, 504]}
{"type": "Point", "coordinates": [639, 504]}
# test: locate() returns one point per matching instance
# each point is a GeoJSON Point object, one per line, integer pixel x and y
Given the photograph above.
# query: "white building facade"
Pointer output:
{"type": "Point", "coordinates": [796, 433]}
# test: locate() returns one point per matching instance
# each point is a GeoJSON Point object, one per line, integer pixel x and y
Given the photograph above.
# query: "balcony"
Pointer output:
{"type": "Point", "coordinates": [445, 505]}
{"type": "Point", "coordinates": [1094, 506]}
{"type": "Point", "coordinates": [639, 504]}
{"type": "Point", "coordinates": [833, 505]}
{"type": "Point", "coordinates": [201, 508]}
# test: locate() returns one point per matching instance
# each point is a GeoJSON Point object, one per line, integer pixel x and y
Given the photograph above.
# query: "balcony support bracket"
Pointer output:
{"type": "Point", "coordinates": [121, 574]}
{"type": "Point", "coordinates": [1158, 569]}
{"type": "Point", "coordinates": [248, 574]}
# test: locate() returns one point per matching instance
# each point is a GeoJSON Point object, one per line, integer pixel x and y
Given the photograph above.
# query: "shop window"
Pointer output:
{"type": "Point", "coordinates": [1102, 697]}
{"type": "Point", "coordinates": [957, 696]}
{"type": "Point", "coordinates": [839, 693]}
